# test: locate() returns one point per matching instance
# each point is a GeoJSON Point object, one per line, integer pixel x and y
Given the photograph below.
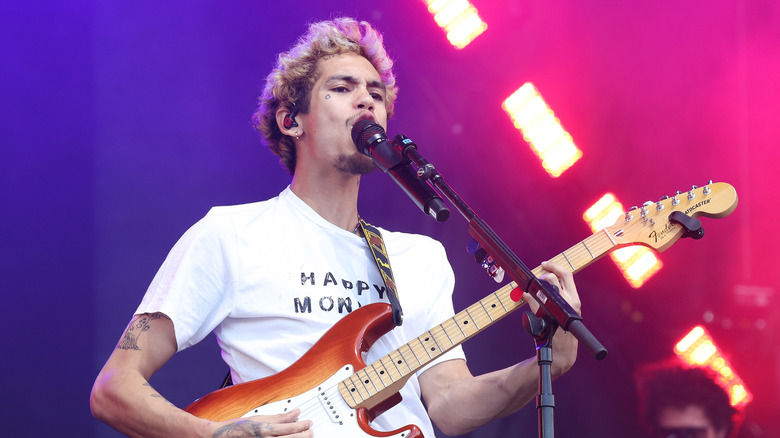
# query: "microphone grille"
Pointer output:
{"type": "Point", "coordinates": [363, 130]}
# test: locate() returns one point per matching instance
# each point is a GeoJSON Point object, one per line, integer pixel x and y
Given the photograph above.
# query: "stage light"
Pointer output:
{"type": "Point", "coordinates": [637, 263]}
{"type": "Point", "coordinates": [541, 129]}
{"type": "Point", "coordinates": [459, 18]}
{"type": "Point", "coordinates": [699, 349]}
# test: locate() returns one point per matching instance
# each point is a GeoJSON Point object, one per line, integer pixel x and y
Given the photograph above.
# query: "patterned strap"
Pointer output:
{"type": "Point", "coordinates": [377, 245]}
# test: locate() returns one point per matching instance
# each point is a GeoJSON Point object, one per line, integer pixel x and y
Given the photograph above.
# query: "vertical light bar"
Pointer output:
{"type": "Point", "coordinates": [459, 18]}
{"type": "Point", "coordinates": [698, 348]}
{"type": "Point", "coordinates": [541, 129]}
{"type": "Point", "coordinates": [637, 263]}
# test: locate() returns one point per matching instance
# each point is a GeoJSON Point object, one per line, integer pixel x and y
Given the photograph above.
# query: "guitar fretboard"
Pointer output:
{"type": "Point", "coordinates": [386, 376]}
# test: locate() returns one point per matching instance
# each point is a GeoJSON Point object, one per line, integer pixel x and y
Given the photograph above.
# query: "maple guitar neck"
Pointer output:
{"type": "Point", "coordinates": [374, 383]}
{"type": "Point", "coordinates": [648, 225]}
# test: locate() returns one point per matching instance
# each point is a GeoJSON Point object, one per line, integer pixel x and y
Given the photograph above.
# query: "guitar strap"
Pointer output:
{"type": "Point", "coordinates": [377, 245]}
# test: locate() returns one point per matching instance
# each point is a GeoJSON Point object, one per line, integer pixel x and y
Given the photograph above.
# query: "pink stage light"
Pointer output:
{"type": "Point", "coordinates": [459, 18]}
{"type": "Point", "coordinates": [542, 130]}
{"type": "Point", "coordinates": [637, 263]}
{"type": "Point", "coordinates": [699, 349]}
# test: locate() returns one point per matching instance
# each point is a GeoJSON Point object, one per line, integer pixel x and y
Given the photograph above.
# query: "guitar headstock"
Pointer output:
{"type": "Point", "coordinates": [650, 225]}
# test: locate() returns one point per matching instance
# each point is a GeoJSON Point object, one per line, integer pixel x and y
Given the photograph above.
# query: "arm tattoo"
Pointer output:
{"type": "Point", "coordinates": [239, 428]}
{"type": "Point", "coordinates": [156, 394]}
{"type": "Point", "coordinates": [139, 325]}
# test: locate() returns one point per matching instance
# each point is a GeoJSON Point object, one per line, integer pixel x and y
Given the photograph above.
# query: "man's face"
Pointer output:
{"type": "Point", "coordinates": [689, 422]}
{"type": "Point", "coordinates": [348, 89]}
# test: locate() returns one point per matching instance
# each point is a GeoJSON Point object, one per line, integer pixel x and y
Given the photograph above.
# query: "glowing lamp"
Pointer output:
{"type": "Point", "coordinates": [458, 18]}
{"type": "Point", "coordinates": [637, 263]}
{"type": "Point", "coordinates": [542, 130]}
{"type": "Point", "coordinates": [699, 349]}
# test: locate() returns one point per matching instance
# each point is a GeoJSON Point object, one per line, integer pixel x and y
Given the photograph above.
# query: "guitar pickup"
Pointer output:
{"type": "Point", "coordinates": [333, 404]}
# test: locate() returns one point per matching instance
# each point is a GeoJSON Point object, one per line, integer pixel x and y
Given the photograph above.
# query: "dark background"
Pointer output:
{"type": "Point", "coordinates": [121, 123]}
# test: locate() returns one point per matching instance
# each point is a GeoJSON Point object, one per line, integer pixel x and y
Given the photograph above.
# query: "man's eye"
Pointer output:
{"type": "Point", "coordinates": [377, 96]}
{"type": "Point", "coordinates": [340, 89]}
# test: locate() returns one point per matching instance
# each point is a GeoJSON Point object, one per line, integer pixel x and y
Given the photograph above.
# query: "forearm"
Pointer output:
{"type": "Point", "coordinates": [126, 401]}
{"type": "Point", "coordinates": [465, 402]}
{"type": "Point", "coordinates": [469, 403]}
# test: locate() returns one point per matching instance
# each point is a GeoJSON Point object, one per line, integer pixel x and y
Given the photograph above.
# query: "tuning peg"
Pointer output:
{"type": "Point", "coordinates": [676, 201]}
{"type": "Point", "coordinates": [643, 210]}
{"type": "Point", "coordinates": [707, 189]}
{"type": "Point", "coordinates": [658, 205]}
{"type": "Point", "coordinates": [691, 195]}
{"type": "Point", "coordinates": [630, 216]}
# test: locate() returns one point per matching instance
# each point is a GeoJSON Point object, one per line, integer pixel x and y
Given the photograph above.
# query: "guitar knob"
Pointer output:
{"type": "Point", "coordinates": [691, 195]}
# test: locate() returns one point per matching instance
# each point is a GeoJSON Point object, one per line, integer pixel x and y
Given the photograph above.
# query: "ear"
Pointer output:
{"type": "Point", "coordinates": [286, 129]}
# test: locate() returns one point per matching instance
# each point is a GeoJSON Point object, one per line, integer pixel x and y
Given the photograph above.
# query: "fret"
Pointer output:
{"type": "Point", "coordinates": [609, 236]}
{"type": "Point", "coordinates": [568, 261]}
{"type": "Point", "coordinates": [409, 347]}
{"type": "Point", "coordinates": [389, 370]}
{"type": "Point", "coordinates": [366, 379]}
{"type": "Point", "coordinates": [425, 349]}
{"type": "Point", "coordinates": [355, 387]}
{"type": "Point", "coordinates": [486, 311]}
{"type": "Point", "coordinates": [588, 249]}
{"type": "Point", "coordinates": [442, 340]}
{"type": "Point", "coordinates": [349, 389]}
{"type": "Point", "coordinates": [457, 324]}
{"type": "Point", "coordinates": [438, 349]}
{"type": "Point", "coordinates": [473, 320]}
{"type": "Point", "coordinates": [381, 375]}
{"type": "Point", "coordinates": [495, 294]}
{"type": "Point", "coordinates": [400, 360]}
{"type": "Point", "coordinates": [496, 308]}
{"type": "Point", "coordinates": [447, 334]}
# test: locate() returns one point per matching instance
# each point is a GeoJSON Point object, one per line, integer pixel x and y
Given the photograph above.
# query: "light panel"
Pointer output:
{"type": "Point", "coordinates": [542, 130]}
{"type": "Point", "coordinates": [459, 18]}
{"type": "Point", "coordinates": [699, 349]}
{"type": "Point", "coordinates": [637, 263]}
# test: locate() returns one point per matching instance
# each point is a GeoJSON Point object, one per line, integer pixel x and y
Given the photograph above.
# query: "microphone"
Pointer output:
{"type": "Point", "coordinates": [370, 139]}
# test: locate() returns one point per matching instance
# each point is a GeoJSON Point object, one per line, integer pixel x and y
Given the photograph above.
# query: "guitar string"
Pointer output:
{"type": "Point", "coordinates": [590, 249]}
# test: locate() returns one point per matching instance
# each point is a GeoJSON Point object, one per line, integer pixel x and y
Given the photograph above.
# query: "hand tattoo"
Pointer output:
{"type": "Point", "coordinates": [242, 427]}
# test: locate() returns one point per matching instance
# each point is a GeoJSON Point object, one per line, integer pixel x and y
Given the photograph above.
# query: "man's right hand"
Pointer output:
{"type": "Point", "coordinates": [282, 425]}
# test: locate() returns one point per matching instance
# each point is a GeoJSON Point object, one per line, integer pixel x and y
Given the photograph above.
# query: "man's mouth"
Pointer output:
{"type": "Point", "coordinates": [362, 116]}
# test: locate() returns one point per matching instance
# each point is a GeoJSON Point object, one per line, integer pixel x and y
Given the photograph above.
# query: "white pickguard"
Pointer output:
{"type": "Point", "coordinates": [331, 415]}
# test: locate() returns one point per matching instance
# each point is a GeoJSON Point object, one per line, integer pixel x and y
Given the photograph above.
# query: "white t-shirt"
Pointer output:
{"type": "Point", "coordinates": [270, 278]}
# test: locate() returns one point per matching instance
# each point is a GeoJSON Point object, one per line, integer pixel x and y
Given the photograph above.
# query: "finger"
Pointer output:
{"type": "Point", "coordinates": [259, 426]}
{"type": "Point", "coordinates": [287, 417]}
{"type": "Point", "coordinates": [283, 424]}
{"type": "Point", "coordinates": [564, 279]}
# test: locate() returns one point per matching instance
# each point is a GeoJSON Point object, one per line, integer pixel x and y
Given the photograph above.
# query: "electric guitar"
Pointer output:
{"type": "Point", "coordinates": [334, 387]}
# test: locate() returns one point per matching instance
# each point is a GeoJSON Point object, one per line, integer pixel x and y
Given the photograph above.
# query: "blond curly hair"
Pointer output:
{"type": "Point", "coordinates": [291, 81]}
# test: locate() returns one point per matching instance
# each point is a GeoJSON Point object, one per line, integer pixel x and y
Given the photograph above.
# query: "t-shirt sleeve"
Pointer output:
{"type": "Point", "coordinates": [195, 285]}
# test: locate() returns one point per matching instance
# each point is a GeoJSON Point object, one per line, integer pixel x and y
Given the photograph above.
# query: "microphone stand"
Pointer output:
{"type": "Point", "coordinates": [553, 311]}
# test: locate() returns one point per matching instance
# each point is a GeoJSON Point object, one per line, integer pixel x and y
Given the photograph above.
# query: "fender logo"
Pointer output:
{"type": "Point", "coordinates": [656, 235]}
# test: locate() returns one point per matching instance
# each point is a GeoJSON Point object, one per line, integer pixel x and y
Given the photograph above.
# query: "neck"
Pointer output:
{"type": "Point", "coordinates": [333, 197]}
